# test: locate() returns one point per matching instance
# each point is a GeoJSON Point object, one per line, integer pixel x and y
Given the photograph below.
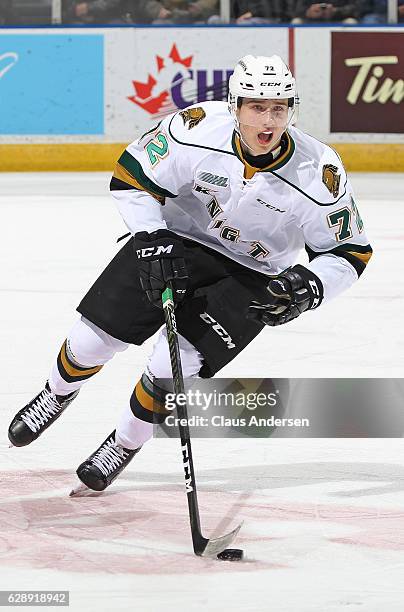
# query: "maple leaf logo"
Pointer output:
{"type": "Point", "coordinates": [155, 93]}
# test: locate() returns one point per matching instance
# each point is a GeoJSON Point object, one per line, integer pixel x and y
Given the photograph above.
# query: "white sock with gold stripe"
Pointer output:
{"type": "Point", "coordinates": [87, 347]}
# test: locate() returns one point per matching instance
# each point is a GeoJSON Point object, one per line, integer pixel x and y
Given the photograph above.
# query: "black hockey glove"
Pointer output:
{"type": "Point", "coordinates": [161, 261]}
{"type": "Point", "coordinates": [290, 293]}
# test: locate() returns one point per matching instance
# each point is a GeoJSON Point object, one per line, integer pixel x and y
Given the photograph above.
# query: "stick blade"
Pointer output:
{"type": "Point", "coordinates": [218, 545]}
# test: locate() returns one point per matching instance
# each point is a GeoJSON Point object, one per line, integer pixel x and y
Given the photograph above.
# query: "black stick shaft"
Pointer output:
{"type": "Point", "coordinates": [178, 383]}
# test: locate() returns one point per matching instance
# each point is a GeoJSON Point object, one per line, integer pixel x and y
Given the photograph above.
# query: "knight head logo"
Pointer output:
{"type": "Point", "coordinates": [331, 179]}
{"type": "Point", "coordinates": [193, 116]}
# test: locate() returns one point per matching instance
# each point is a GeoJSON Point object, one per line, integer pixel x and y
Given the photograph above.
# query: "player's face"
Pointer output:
{"type": "Point", "coordinates": [262, 123]}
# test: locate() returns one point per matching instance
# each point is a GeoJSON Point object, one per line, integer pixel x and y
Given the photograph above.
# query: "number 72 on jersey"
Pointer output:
{"type": "Point", "coordinates": [342, 219]}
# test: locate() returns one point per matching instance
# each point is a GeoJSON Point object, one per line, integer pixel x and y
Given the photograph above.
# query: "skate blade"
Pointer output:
{"type": "Point", "coordinates": [80, 490]}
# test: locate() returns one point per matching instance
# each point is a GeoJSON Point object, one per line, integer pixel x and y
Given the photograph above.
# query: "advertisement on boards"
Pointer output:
{"type": "Point", "coordinates": [367, 86]}
{"type": "Point", "coordinates": [51, 84]}
{"type": "Point", "coordinates": [166, 70]}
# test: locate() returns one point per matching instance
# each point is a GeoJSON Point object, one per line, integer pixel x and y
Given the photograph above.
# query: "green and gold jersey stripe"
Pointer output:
{"type": "Point", "coordinates": [357, 255]}
{"type": "Point", "coordinates": [135, 171]}
{"type": "Point", "coordinates": [362, 256]}
{"type": "Point", "coordinates": [360, 252]}
{"type": "Point", "coordinates": [124, 176]}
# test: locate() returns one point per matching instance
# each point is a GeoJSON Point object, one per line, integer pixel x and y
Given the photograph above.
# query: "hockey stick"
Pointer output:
{"type": "Point", "coordinates": [202, 546]}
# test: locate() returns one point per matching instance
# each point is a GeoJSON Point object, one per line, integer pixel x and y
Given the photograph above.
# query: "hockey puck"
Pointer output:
{"type": "Point", "coordinates": [231, 554]}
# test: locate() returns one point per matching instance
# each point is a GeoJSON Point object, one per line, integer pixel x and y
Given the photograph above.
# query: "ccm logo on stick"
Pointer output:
{"type": "Point", "coordinates": [188, 478]}
{"type": "Point", "coordinates": [218, 329]}
{"type": "Point", "coordinates": [151, 251]}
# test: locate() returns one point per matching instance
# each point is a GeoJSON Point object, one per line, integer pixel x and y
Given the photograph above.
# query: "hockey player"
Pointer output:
{"type": "Point", "coordinates": [219, 201]}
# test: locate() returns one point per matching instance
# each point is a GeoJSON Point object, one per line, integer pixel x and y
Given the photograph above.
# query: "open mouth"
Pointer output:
{"type": "Point", "coordinates": [264, 138]}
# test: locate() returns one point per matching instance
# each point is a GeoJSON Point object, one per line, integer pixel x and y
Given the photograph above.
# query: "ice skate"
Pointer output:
{"type": "Point", "coordinates": [38, 415]}
{"type": "Point", "coordinates": [104, 465]}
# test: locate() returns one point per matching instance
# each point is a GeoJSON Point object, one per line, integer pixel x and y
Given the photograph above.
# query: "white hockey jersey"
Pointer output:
{"type": "Point", "coordinates": [189, 175]}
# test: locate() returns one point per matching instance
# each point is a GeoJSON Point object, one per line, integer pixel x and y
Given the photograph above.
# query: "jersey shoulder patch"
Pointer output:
{"type": "Point", "coordinates": [315, 170]}
{"type": "Point", "coordinates": [193, 116]}
{"type": "Point", "coordinates": [207, 125]}
{"type": "Point", "coordinates": [331, 179]}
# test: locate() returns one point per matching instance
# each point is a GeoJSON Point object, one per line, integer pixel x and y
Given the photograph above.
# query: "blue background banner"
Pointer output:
{"type": "Point", "coordinates": [51, 84]}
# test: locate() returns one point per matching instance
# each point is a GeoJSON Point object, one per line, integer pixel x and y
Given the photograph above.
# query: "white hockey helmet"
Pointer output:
{"type": "Point", "coordinates": [260, 77]}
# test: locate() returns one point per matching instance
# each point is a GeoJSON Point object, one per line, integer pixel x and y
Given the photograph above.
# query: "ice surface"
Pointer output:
{"type": "Point", "coordinates": [323, 519]}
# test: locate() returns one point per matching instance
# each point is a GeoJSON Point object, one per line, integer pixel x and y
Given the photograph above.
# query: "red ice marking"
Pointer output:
{"type": "Point", "coordinates": [130, 530]}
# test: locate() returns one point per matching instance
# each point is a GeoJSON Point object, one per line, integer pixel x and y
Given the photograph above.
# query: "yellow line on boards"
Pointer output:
{"type": "Point", "coordinates": [77, 157]}
{"type": "Point", "coordinates": [68, 157]}
{"type": "Point", "coordinates": [371, 157]}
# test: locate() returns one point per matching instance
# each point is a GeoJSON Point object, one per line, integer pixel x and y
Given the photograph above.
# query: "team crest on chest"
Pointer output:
{"type": "Point", "coordinates": [193, 116]}
{"type": "Point", "coordinates": [331, 179]}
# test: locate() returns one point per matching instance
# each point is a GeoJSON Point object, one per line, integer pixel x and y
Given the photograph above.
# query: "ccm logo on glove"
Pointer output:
{"type": "Point", "coordinates": [161, 263]}
{"type": "Point", "coordinates": [317, 294]}
{"type": "Point", "coordinates": [154, 251]}
{"type": "Point", "coordinates": [290, 294]}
